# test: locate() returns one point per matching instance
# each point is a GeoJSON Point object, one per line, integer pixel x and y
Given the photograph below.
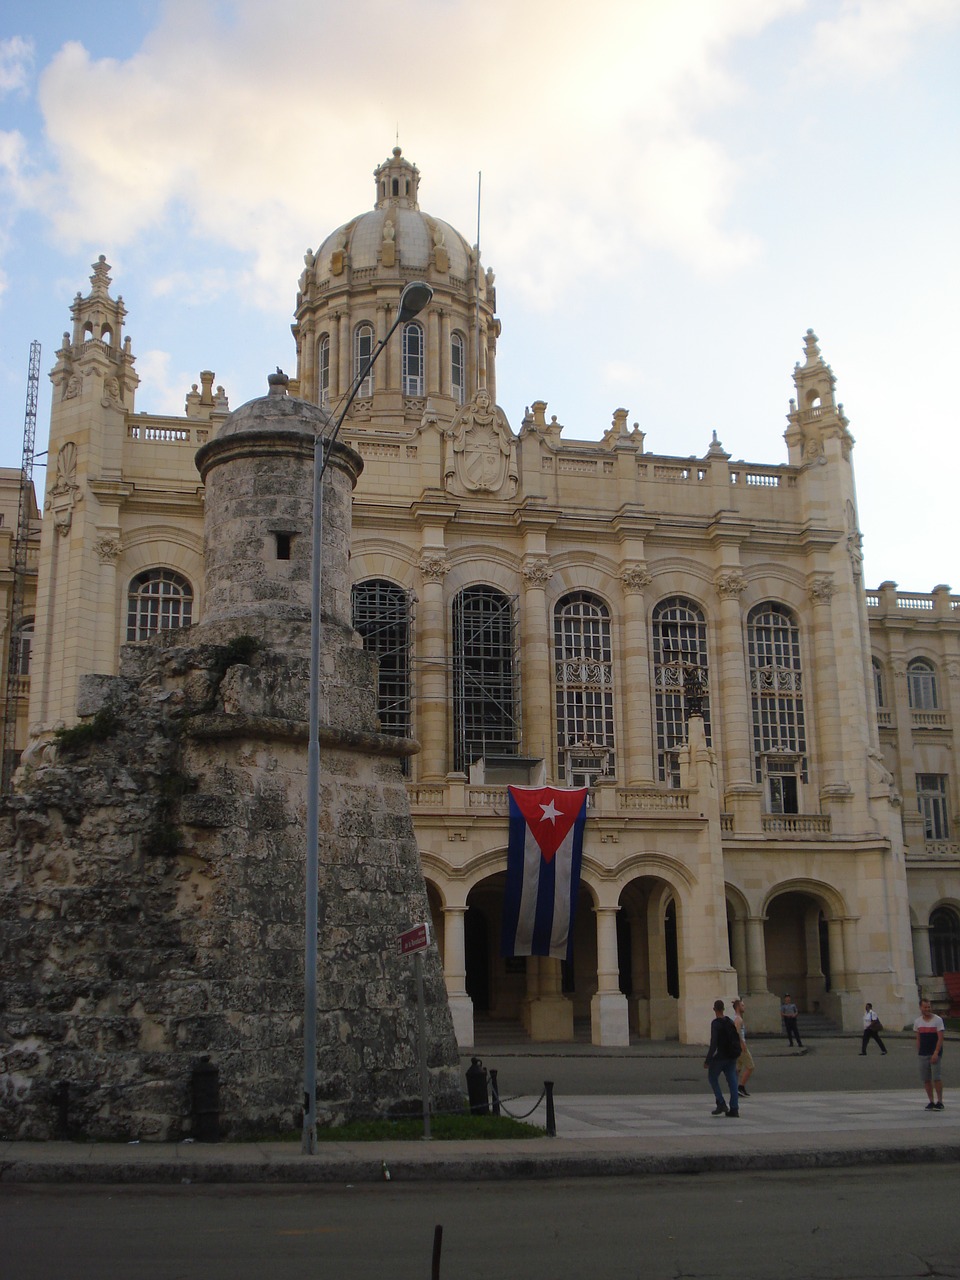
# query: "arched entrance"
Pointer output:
{"type": "Point", "coordinates": [804, 947]}
{"type": "Point", "coordinates": [648, 940]}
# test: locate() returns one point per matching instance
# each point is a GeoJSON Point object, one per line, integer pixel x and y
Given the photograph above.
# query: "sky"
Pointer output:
{"type": "Point", "coordinates": [672, 193]}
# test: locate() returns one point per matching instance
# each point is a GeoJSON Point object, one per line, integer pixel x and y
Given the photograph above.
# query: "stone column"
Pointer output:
{"type": "Point", "coordinates": [637, 769]}
{"type": "Point", "coordinates": [921, 952]}
{"type": "Point", "coordinates": [756, 956]}
{"type": "Point", "coordinates": [346, 357]}
{"type": "Point", "coordinates": [387, 367]}
{"type": "Point", "coordinates": [431, 373]}
{"type": "Point", "coordinates": [838, 963]}
{"type": "Point", "coordinates": [551, 1014]}
{"type": "Point", "coordinates": [537, 688]}
{"type": "Point", "coordinates": [334, 357]}
{"type": "Point", "coordinates": [738, 957]}
{"type": "Point", "coordinates": [740, 791]}
{"type": "Point", "coordinates": [107, 548]}
{"type": "Point", "coordinates": [432, 697]}
{"type": "Point", "coordinates": [609, 1023]}
{"type": "Point", "coordinates": [827, 701]}
{"type": "Point", "coordinates": [455, 974]}
{"type": "Point", "coordinates": [443, 368]}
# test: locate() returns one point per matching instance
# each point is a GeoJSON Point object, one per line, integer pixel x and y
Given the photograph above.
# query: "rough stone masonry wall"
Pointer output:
{"type": "Point", "coordinates": [151, 902]}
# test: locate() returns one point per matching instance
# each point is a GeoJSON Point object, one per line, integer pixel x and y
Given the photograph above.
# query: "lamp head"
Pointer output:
{"type": "Point", "coordinates": [414, 298]}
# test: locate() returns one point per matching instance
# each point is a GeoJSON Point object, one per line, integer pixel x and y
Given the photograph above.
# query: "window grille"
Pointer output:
{"type": "Point", "coordinates": [412, 360]}
{"type": "Point", "coordinates": [486, 696]}
{"type": "Point", "coordinates": [584, 689]}
{"type": "Point", "coordinates": [382, 615]}
{"type": "Point", "coordinates": [362, 351]}
{"type": "Point", "coordinates": [158, 600]}
{"type": "Point", "coordinates": [776, 685]}
{"type": "Point", "coordinates": [679, 668]}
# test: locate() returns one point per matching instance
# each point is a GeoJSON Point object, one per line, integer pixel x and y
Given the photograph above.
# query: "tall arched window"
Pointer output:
{"type": "Point", "coordinates": [362, 351]}
{"type": "Point", "coordinates": [776, 695]}
{"type": "Point", "coordinates": [158, 600]}
{"type": "Point", "coordinates": [412, 359]}
{"type": "Point", "coordinates": [584, 689]}
{"type": "Point", "coordinates": [944, 941]}
{"type": "Point", "coordinates": [680, 673]}
{"type": "Point", "coordinates": [878, 684]}
{"type": "Point", "coordinates": [486, 709]}
{"type": "Point", "coordinates": [922, 685]}
{"type": "Point", "coordinates": [323, 372]}
{"type": "Point", "coordinates": [458, 369]}
{"type": "Point", "coordinates": [382, 616]}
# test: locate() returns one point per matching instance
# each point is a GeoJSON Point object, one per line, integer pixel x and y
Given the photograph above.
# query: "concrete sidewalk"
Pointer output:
{"type": "Point", "coordinates": [597, 1136]}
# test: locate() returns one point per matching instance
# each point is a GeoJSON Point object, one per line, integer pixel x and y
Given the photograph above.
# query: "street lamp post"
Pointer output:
{"type": "Point", "coordinates": [413, 299]}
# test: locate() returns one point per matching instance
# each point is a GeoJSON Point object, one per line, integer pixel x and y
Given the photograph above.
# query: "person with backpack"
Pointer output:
{"type": "Point", "coordinates": [721, 1060]}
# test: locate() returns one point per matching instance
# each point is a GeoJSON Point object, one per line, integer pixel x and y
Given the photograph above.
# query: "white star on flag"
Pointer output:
{"type": "Point", "coordinates": [550, 811]}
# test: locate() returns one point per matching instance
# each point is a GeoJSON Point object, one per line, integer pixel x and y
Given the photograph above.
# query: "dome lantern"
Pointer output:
{"type": "Point", "coordinates": [398, 182]}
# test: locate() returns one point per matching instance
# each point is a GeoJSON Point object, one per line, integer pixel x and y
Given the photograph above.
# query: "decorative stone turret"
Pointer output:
{"type": "Point", "coordinates": [153, 863]}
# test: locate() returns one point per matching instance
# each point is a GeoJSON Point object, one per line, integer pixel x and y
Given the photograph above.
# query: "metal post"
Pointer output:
{"type": "Point", "coordinates": [551, 1114]}
{"type": "Point", "coordinates": [494, 1092]}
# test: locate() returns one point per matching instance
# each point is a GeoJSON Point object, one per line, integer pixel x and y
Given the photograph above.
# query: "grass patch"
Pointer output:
{"type": "Point", "coordinates": [444, 1128]}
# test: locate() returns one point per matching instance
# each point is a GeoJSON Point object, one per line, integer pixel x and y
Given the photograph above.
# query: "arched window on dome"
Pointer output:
{"type": "Point", "coordinates": [584, 689]}
{"type": "Point", "coordinates": [323, 372]}
{"type": "Point", "coordinates": [458, 369]}
{"type": "Point", "coordinates": [158, 600]}
{"type": "Point", "coordinates": [679, 669]}
{"type": "Point", "coordinates": [362, 351]}
{"type": "Point", "coordinates": [412, 359]}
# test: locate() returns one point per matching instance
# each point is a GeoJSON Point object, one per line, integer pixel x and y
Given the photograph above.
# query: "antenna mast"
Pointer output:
{"type": "Point", "coordinates": [20, 547]}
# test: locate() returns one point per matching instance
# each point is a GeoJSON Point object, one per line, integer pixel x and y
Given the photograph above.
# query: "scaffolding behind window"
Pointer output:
{"type": "Point", "coordinates": [382, 616]}
{"type": "Point", "coordinates": [932, 803]}
{"type": "Point", "coordinates": [584, 689]}
{"type": "Point", "coordinates": [486, 700]}
{"type": "Point", "coordinates": [412, 360]}
{"type": "Point", "coordinates": [362, 351]}
{"type": "Point", "coordinates": [776, 685]}
{"type": "Point", "coordinates": [458, 369]}
{"type": "Point", "coordinates": [323, 372]}
{"type": "Point", "coordinates": [679, 667]}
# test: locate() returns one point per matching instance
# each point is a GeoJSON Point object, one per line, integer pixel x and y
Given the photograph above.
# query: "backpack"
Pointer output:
{"type": "Point", "coordinates": [728, 1040]}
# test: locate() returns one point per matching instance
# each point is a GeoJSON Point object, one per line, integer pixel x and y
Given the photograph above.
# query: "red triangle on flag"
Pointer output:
{"type": "Point", "coordinates": [549, 813]}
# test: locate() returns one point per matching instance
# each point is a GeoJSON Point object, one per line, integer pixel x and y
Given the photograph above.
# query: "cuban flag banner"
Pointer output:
{"type": "Point", "coordinates": [543, 870]}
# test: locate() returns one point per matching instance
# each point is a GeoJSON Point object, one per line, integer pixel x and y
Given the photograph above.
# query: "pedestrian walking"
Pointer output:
{"type": "Point", "coordinates": [745, 1061]}
{"type": "Point", "coordinates": [929, 1029]}
{"type": "Point", "coordinates": [721, 1060]}
{"type": "Point", "coordinates": [790, 1013]}
{"type": "Point", "coordinates": [872, 1026]}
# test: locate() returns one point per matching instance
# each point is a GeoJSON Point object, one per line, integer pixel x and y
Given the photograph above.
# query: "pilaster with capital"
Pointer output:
{"type": "Point", "coordinates": [820, 588]}
{"type": "Point", "coordinates": [735, 714]}
{"type": "Point", "coordinates": [637, 768]}
{"type": "Point", "coordinates": [432, 699]}
{"type": "Point", "coordinates": [537, 693]}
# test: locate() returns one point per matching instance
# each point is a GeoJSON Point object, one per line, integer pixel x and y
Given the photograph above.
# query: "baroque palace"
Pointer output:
{"type": "Point", "coordinates": [770, 746]}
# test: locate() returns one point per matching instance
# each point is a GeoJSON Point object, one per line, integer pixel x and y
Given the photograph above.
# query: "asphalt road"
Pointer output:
{"type": "Point", "coordinates": [869, 1224]}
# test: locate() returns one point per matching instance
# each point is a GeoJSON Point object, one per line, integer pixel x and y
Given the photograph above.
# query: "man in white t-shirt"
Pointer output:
{"type": "Point", "coordinates": [929, 1029]}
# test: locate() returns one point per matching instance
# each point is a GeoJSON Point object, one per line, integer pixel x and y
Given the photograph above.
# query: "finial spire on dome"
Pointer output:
{"type": "Point", "coordinates": [398, 182]}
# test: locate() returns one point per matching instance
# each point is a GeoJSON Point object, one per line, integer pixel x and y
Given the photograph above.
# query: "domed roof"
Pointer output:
{"type": "Point", "coordinates": [277, 411]}
{"type": "Point", "coordinates": [415, 234]}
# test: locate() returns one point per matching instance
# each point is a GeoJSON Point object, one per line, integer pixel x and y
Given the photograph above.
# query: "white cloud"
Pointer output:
{"type": "Point", "coordinates": [16, 63]}
{"type": "Point", "coordinates": [235, 128]}
{"type": "Point", "coordinates": [869, 38]}
{"type": "Point", "coordinates": [167, 392]}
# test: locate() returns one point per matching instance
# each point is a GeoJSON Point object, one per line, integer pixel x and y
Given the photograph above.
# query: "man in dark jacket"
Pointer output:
{"type": "Point", "coordinates": [721, 1060]}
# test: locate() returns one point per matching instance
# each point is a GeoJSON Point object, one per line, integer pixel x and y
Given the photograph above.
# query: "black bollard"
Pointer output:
{"type": "Point", "coordinates": [477, 1088]}
{"type": "Point", "coordinates": [494, 1092]}
{"type": "Point", "coordinates": [551, 1115]}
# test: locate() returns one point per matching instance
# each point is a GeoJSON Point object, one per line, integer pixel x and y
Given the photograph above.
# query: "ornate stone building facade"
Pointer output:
{"type": "Point", "coordinates": [770, 747]}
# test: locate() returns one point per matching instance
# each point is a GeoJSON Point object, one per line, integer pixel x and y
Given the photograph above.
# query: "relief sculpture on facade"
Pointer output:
{"type": "Point", "coordinates": [480, 453]}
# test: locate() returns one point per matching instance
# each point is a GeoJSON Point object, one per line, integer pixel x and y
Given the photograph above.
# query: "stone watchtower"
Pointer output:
{"type": "Point", "coordinates": [153, 871]}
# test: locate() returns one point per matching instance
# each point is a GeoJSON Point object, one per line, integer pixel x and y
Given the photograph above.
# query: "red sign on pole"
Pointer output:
{"type": "Point", "coordinates": [415, 939]}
